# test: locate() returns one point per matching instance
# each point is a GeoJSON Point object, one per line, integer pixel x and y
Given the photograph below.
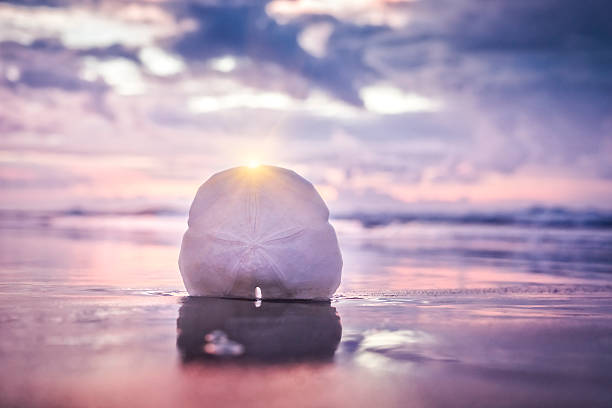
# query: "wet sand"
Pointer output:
{"type": "Point", "coordinates": [98, 317]}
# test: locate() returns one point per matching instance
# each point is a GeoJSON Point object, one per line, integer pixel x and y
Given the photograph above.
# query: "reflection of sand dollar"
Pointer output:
{"type": "Point", "coordinates": [265, 227]}
{"type": "Point", "coordinates": [220, 329]}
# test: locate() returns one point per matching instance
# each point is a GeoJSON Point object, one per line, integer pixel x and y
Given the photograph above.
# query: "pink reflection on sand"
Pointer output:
{"type": "Point", "coordinates": [94, 252]}
{"type": "Point", "coordinates": [472, 277]}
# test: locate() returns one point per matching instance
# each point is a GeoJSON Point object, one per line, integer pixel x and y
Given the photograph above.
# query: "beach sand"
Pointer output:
{"type": "Point", "coordinates": [93, 313]}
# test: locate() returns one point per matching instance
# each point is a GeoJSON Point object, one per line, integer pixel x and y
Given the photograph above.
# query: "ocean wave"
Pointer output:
{"type": "Point", "coordinates": [557, 217]}
{"type": "Point", "coordinates": [534, 216]}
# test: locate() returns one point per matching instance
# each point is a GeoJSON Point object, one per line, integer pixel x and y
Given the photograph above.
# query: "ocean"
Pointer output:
{"type": "Point", "coordinates": [498, 309]}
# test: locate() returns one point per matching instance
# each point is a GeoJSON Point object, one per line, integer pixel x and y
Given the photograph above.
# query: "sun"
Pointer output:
{"type": "Point", "coordinates": [253, 164]}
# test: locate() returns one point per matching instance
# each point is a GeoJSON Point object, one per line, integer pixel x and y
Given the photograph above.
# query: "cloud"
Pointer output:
{"type": "Point", "coordinates": [387, 99]}
{"type": "Point", "coordinates": [81, 27]}
{"type": "Point", "coordinates": [313, 39]}
{"type": "Point", "coordinates": [161, 63]}
{"type": "Point", "coordinates": [247, 31]}
{"type": "Point", "coordinates": [44, 64]}
{"type": "Point", "coordinates": [533, 77]}
{"type": "Point", "coordinates": [380, 103]}
{"type": "Point", "coordinates": [361, 12]}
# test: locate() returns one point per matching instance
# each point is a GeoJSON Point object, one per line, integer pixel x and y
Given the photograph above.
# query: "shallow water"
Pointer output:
{"type": "Point", "coordinates": [93, 313]}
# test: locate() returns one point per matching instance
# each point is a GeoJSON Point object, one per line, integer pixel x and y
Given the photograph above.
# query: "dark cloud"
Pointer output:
{"type": "Point", "coordinates": [42, 78]}
{"type": "Point", "coordinates": [246, 30]}
{"type": "Point", "coordinates": [46, 64]}
{"type": "Point", "coordinates": [535, 77]}
{"type": "Point", "coordinates": [549, 42]}
{"type": "Point", "coordinates": [36, 3]}
{"type": "Point", "coordinates": [526, 25]}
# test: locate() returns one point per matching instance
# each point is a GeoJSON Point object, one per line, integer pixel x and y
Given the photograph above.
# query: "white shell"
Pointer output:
{"type": "Point", "coordinates": [265, 227]}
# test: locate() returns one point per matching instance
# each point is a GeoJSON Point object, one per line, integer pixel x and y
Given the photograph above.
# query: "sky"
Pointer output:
{"type": "Point", "coordinates": [384, 105]}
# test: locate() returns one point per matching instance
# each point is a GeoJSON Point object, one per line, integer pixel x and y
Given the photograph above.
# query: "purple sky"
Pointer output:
{"type": "Point", "coordinates": [428, 104]}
